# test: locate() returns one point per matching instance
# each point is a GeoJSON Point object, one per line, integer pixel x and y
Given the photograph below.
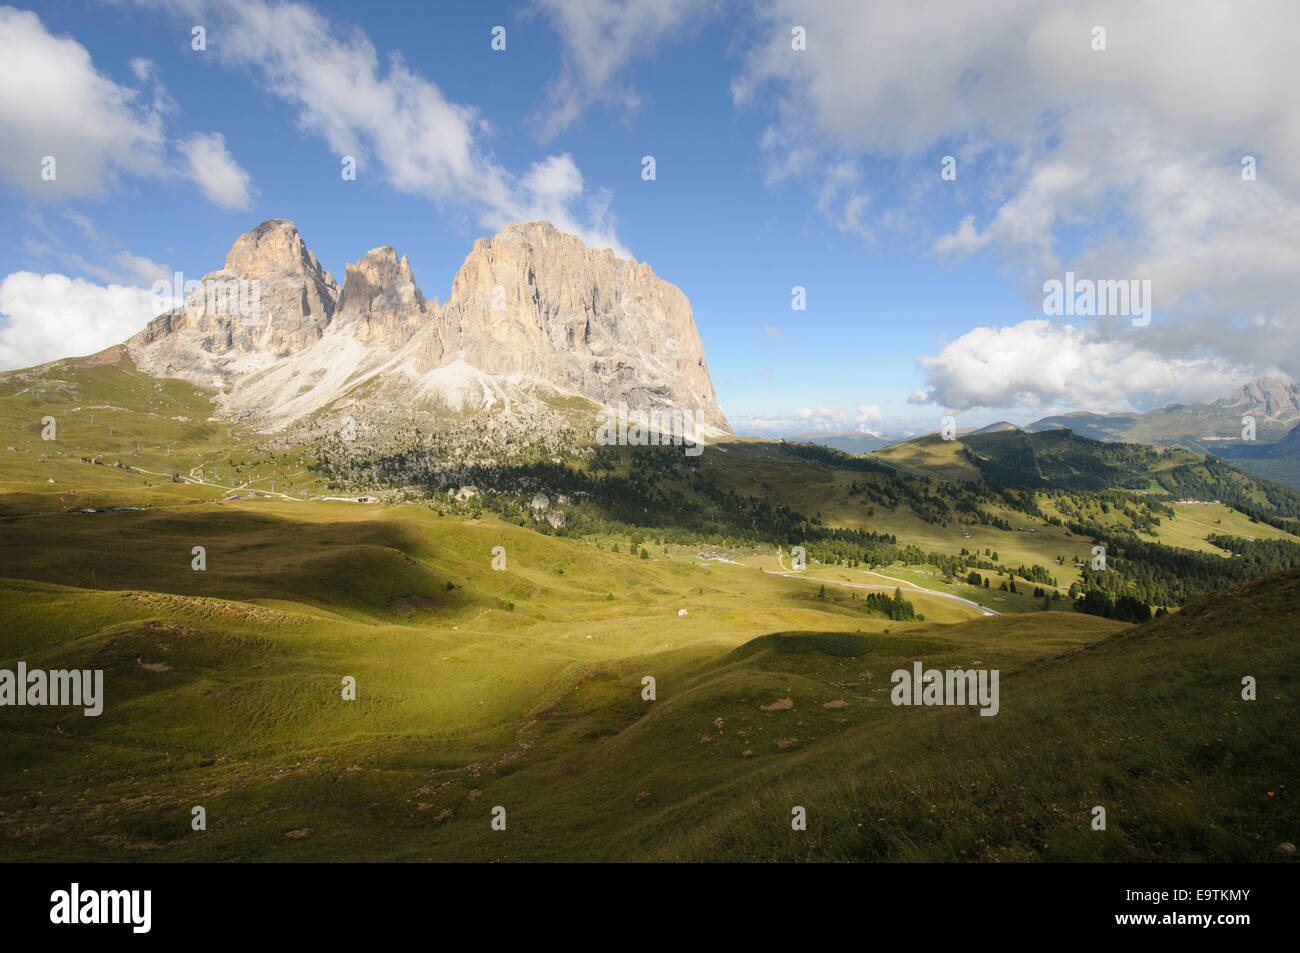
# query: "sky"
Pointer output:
{"type": "Point", "coordinates": [865, 202]}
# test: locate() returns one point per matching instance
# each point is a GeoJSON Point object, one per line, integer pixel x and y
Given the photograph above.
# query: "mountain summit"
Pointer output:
{"type": "Point", "coordinates": [1271, 398]}
{"type": "Point", "coordinates": [532, 311]}
{"type": "Point", "coordinates": [206, 338]}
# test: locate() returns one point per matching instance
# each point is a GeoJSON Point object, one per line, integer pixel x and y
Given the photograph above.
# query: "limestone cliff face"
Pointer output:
{"type": "Point", "coordinates": [380, 300]}
{"type": "Point", "coordinates": [1274, 399]}
{"type": "Point", "coordinates": [271, 299]}
{"type": "Point", "coordinates": [530, 304]}
{"type": "Point", "coordinates": [533, 298]}
{"type": "Point", "coordinates": [299, 288]}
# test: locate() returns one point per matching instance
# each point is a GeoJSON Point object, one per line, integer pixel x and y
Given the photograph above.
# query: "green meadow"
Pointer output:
{"type": "Point", "coordinates": [524, 687]}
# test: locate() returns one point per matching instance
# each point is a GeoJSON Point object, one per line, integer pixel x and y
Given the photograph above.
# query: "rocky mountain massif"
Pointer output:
{"type": "Point", "coordinates": [534, 320]}
{"type": "Point", "coordinates": [1274, 404]}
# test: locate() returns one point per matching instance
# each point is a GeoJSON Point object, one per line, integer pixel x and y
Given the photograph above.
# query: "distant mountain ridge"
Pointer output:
{"type": "Point", "coordinates": [850, 442]}
{"type": "Point", "coordinates": [1274, 404]}
{"type": "Point", "coordinates": [1288, 446]}
{"type": "Point", "coordinates": [1214, 428]}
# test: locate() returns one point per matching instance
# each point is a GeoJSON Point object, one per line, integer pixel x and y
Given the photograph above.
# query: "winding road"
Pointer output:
{"type": "Point", "coordinates": [902, 584]}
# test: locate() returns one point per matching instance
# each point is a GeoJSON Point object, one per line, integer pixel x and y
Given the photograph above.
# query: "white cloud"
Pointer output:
{"type": "Point", "coordinates": [993, 72]}
{"type": "Point", "coordinates": [821, 419]}
{"type": "Point", "coordinates": [216, 172]}
{"type": "Point", "coordinates": [554, 180]}
{"type": "Point", "coordinates": [55, 103]}
{"type": "Point", "coordinates": [146, 71]}
{"type": "Point", "coordinates": [868, 412]}
{"type": "Point", "coordinates": [555, 191]}
{"type": "Point", "coordinates": [1205, 238]}
{"type": "Point", "coordinates": [139, 269]}
{"type": "Point", "coordinates": [397, 123]}
{"type": "Point", "coordinates": [1038, 363]}
{"type": "Point", "coordinates": [843, 200]}
{"type": "Point", "coordinates": [52, 316]}
{"type": "Point", "coordinates": [1116, 164]}
{"type": "Point", "coordinates": [599, 40]}
{"type": "Point", "coordinates": [964, 240]}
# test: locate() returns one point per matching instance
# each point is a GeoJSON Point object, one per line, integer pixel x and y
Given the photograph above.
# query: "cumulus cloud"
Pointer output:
{"type": "Point", "coordinates": [1039, 364]}
{"type": "Point", "coordinates": [46, 315]}
{"type": "Point", "coordinates": [555, 188]}
{"type": "Point", "coordinates": [52, 316]}
{"type": "Point", "coordinates": [54, 103]}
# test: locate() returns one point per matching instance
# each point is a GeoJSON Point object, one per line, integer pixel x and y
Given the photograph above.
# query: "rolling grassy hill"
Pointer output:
{"type": "Point", "coordinates": [522, 687]}
{"type": "Point", "coordinates": [232, 702]}
{"type": "Point", "coordinates": [1054, 458]}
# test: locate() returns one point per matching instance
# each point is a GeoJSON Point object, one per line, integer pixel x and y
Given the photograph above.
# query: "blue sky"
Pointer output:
{"type": "Point", "coordinates": [775, 167]}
